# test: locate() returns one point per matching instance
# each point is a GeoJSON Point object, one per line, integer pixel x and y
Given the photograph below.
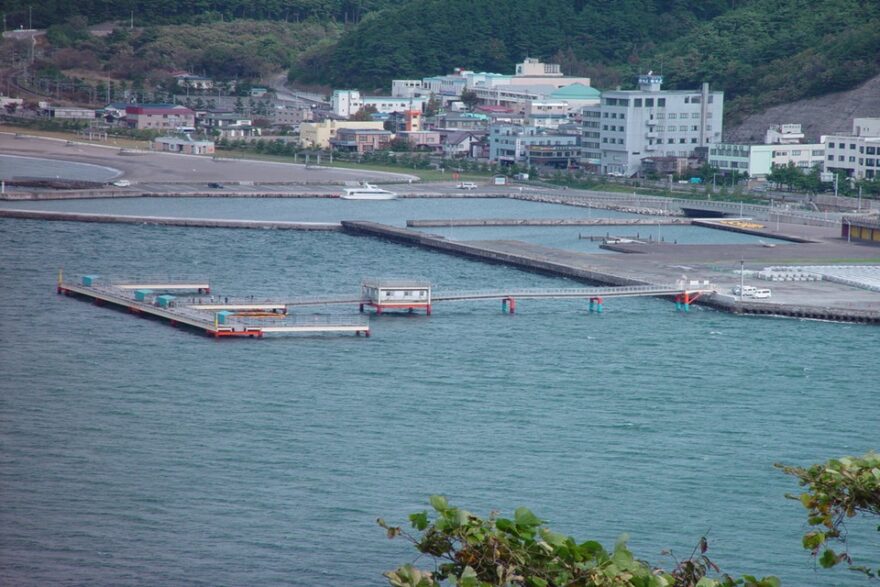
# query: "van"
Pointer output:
{"type": "Point", "coordinates": [747, 290]}
{"type": "Point", "coordinates": [122, 183]}
{"type": "Point", "coordinates": [467, 185]}
{"type": "Point", "coordinates": [761, 294]}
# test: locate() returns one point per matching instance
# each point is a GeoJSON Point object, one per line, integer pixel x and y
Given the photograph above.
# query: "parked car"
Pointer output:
{"type": "Point", "coordinates": [215, 185]}
{"type": "Point", "coordinates": [122, 183]}
{"type": "Point", "coordinates": [467, 185]}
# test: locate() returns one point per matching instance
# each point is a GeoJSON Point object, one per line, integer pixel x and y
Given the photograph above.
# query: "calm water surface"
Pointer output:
{"type": "Point", "coordinates": [134, 453]}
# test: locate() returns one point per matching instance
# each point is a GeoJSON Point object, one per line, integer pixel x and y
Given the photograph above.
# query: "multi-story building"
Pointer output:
{"type": "Point", "coordinates": [347, 103]}
{"type": "Point", "coordinates": [856, 154]}
{"type": "Point", "coordinates": [159, 116]}
{"type": "Point", "coordinates": [546, 113]}
{"type": "Point", "coordinates": [317, 135]}
{"type": "Point", "coordinates": [650, 122]}
{"type": "Point", "coordinates": [528, 145]}
{"type": "Point", "coordinates": [781, 147]}
{"type": "Point", "coordinates": [361, 140]}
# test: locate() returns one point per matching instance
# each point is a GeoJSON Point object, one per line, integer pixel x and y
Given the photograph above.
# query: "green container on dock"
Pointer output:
{"type": "Point", "coordinates": [89, 280]}
{"type": "Point", "coordinates": [223, 316]}
{"type": "Point", "coordinates": [164, 301]}
{"type": "Point", "coordinates": [141, 295]}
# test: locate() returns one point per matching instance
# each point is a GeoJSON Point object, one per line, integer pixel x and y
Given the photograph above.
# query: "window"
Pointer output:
{"type": "Point", "coordinates": [614, 115]}
{"type": "Point", "coordinates": [604, 127]}
{"type": "Point", "coordinates": [673, 116]}
{"type": "Point", "coordinates": [871, 150]}
{"type": "Point", "coordinates": [695, 127]}
{"type": "Point", "coordinates": [708, 127]}
{"type": "Point", "coordinates": [682, 141]}
{"type": "Point", "coordinates": [818, 153]}
{"type": "Point", "coordinates": [604, 139]}
{"type": "Point", "coordinates": [852, 146]}
{"type": "Point", "coordinates": [841, 158]}
{"type": "Point", "coordinates": [852, 159]}
{"type": "Point", "coordinates": [687, 99]}
{"type": "Point", "coordinates": [649, 102]}
{"type": "Point", "coordinates": [795, 153]}
{"type": "Point", "coordinates": [621, 115]}
{"type": "Point", "coordinates": [604, 115]}
{"type": "Point", "coordinates": [670, 141]}
{"type": "Point", "coordinates": [661, 128]}
{"type": "Point", "coordinates": [637, 102]}
{"type": "Point", "coordinates": [661, 102]}
{"type": "Point", "coordinates": [661, 116]}
{"type": "Point", "coordinates": [695, 115]}
{"type": "Point", "coordinates": [830, 145]}
{"type": "Point", "coordinates": [831, 157]}
{"type": "Point", "coordinates": [870, 162]}
{"type": "Point", "coordinates": [693, 140]}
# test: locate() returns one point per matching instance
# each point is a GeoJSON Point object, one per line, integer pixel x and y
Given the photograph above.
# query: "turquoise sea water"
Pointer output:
{"type": "Point", "coordinates": [135, 453]}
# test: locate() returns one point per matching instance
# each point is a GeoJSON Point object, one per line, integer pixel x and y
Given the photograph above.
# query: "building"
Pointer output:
{"type": "Point", "coordinates": [528, 145]}
{"type": "Point", "coordinates": [860, 228]}
{"type": "Point", "coordinates": [782, 147]}
{"type": "Point", "coordinates": [361, 140]}
{"type": "Point", "coordinates": [183, 144]}
{"type": "Point", "coordinates": [347, 103]}
{"type": "Point", "coordinates": [194, 82]}
{"type": "Point", "coordinates": [70, 113]}
{"type": "Point", "coordinates": [461, 144]}
{"type": "Point", "coordinates": [159, 116]}
{"type": "Point", "coordinates": [317, 135]}
{"type": "Point", "coordinates": [396, 294]}
{"type": "Point", "coordinates": [407, 88]}
{"type": "Point", "coordinates": [546, 113]}
{"type": "Point", "coordinates": [424, 140]}
{"type": "Point", "coordinates": [650, 122]}
{"type": "Point", "coordinates": [856, 154]}
{"type": "Point", "coordinates": [461, 121]}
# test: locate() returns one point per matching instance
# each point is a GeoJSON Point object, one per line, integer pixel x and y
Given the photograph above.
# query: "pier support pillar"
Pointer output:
{"type": "Point", "coordinates": [596, 305]}
{"type": "Point", "coordinates": [428, 309]}
{"type": "Point", "coordinates": [504, 306]}
{"type": "Point", "coordinates": [510, 305]}
{"type": "Point", "coordinates": [361, 308]}
{"type": "Point", "coordinates": [378, 310]}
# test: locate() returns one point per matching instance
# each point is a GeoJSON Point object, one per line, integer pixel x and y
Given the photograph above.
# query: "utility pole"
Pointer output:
{"type": "Point", "coordinates": [131, 22]}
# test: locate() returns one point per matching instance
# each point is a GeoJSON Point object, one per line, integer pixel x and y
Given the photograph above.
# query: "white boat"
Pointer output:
{"type": "Point", "coordinates": [366, 191]}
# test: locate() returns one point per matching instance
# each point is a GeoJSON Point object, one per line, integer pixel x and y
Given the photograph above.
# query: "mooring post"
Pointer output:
{"type": "Point", "coordinates": [504, 306]}
{"type": "Point", "coordinates": [598, 305]}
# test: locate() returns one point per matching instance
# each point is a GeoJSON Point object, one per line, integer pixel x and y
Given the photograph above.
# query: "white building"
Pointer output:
{"type": "Point", "coordinates": [781, 147]}
{"type": "Point", "coordinates": [650, 122]}
{"type": "Point", "coordinates": [347, 103]}
{"type": "Point", "coordinates": [856, 154]}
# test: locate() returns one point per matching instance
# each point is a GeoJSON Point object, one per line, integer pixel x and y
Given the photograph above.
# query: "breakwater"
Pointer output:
{"type": "Point", "coordinates": [168, 221]}
{"type": "Point", "coordinates": [464, 222]}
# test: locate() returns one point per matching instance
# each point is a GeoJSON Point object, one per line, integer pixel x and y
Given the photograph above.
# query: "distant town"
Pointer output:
{"type": "Point", "coordinates": [533, 121]}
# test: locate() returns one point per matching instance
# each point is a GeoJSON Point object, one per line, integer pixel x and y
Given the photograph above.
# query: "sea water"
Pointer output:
{"type": "Point", "coordinates": [136, 453]}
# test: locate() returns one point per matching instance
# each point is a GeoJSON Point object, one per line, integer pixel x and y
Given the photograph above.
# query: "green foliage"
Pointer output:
{"type": "Point", "coordinates": [835, 492]}
{"type": "Point", "coordinates": [760, 52]}
{"type": "Point", "coordinates": [521, 551]}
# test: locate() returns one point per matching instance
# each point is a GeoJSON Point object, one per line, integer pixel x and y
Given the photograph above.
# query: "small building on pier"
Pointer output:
{"type": "Point", "coordinates": [396, 294]}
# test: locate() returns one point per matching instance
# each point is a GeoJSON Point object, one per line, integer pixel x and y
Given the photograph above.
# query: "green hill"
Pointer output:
{"type": "Point", "coordinates": [761, 52]}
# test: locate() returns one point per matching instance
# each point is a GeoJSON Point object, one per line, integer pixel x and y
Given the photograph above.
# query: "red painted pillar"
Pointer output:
{"type": "Point", "coordinates": [378, 310]}
{"type": "Point", "coordinates": [428, 309]}
{"type": "Point", "coordinates": [512, 306]}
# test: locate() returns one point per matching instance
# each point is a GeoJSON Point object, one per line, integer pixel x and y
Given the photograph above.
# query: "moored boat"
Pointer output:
{"type": "Point", "coordinates": [366, 191]}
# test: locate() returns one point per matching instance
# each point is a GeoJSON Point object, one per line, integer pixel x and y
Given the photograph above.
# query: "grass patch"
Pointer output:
{"type": "Point", "coordinates": [72, 136]}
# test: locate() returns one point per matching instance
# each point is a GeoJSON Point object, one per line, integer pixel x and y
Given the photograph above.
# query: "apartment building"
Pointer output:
{"type": "Point", "coordinates": [159, 116]}
{"type": "Point", "coordinates": [858, 153]}
{"type": "Point", "coordinates": [781, 147]}
{"type": "Point", "coordinates": [528, 145]}
{"type": "Point", "coordinates": [346, 103]}
{"type": "Point", "coordinates": [651, 122]}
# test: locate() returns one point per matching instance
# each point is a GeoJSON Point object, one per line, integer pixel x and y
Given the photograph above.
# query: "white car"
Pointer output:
{"type": "Point", "coordinates": [122, 183]}
{"type": "Point", "coordinates": [467, 185]}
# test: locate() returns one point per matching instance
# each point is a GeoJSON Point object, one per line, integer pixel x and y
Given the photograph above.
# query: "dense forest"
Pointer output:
{"type": "Point", "coordinates": [22, 13]}
{"type": "Point", "coordinates": [761, 52]}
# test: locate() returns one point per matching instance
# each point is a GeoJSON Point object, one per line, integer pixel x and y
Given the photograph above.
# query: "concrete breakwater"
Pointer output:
{"type": "Point", "coordinates": [515, 253]}
{"type": "Point", "coordinates": [168, 221]}
{"type": "Point", "coordinates": [463, 222]}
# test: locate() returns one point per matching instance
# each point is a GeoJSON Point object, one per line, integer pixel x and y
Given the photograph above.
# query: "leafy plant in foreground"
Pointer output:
{"type": "Point", "coordinates": [469, 551]}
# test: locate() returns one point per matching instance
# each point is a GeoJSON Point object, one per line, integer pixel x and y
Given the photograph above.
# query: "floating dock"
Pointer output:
{"type": "Point", "coordinates": [220, 320]}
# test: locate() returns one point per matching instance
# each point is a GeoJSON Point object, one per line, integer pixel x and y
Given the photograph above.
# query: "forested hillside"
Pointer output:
{"type": "Point", "coordinates": [761, 52]}
{"type": "Point", "coordinates": [48, 12]}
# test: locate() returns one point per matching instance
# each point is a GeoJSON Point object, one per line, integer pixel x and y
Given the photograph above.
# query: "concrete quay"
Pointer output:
{"type": "Point", "coordinates": [169, 221]}
{"type": "Point", "coordinates": [666, 263]}
{"type": "Point", "coordinates": [462, 222]}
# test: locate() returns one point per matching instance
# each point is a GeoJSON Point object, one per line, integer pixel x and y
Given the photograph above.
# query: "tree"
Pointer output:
{"type": "Point", "coordinates": [521, 552]}
{"type": "Point", "coordinates": [836, 491]}
{"type": "Point", "coordinates": [365, 113]}
{"type": "Point", "coordinates": [469, 98]}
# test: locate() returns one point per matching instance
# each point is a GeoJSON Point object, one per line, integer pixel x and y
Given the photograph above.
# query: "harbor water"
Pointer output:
{"type": "Point", "coordinates": [135, 453]}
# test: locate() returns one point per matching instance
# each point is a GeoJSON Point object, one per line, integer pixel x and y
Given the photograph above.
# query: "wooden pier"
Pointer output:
{"type": "Point", "coordinates": [214, 319]}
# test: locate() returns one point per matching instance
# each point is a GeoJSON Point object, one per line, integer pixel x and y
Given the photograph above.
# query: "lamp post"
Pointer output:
{"type": "Point", "coordinates": [742, 278]}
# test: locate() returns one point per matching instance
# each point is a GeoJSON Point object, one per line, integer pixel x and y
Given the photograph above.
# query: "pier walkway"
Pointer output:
{"type": "Point", "coordinates": [211, 319]}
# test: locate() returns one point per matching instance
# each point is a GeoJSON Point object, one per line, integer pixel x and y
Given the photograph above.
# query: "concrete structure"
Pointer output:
{"type": "Point", "coordinates": [546, 113]}
{"type": "Point", "coordinates": [650, 122]}
{"type": "Point", "coordinates": [407, 88]}
{"type": "Point", "coordinates": [347, 103]}
{"type": "Point", "coordinates": [317, 135]}
{"type": "Point", "coordinates": [421, 139]}
{"type": "Point", "coordinates": [70, 113]}
{"type": "Point", "coordinates": [195, 82]}
{"type": "Point", "coordinates": [183, 144]}
{"type": "Point", "coordinates": [291, 113]}
{"type": "Point", "coordinates": [360, 140]}
{"type": "Point", "coordinates": [856, 154]}
{"type": "Point", "coordinates": [782, 147]}
{"type": "Point", "coordinates": [527, 145]}
{"type": "Point", "coordinates": [159, 116]}
{"type": "Point", "coordinates": [459, 144]}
